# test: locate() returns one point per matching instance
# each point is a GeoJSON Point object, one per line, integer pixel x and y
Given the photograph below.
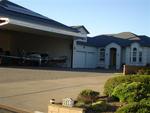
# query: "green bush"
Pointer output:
{"type": "Point", "coordinates": [145, 101]}
{"type": "Point", "coordinates": [131, 92]}
{"type": "Point", "coordinates": [134, 108]}
{"type": "Point", "coordinates": [81, 104]}
{"type": "Point", "coordinates": [113, 82]}
{"type": "Point", "coordinates": [87, 96]}
{"type": "Point", "coordinates": [99, 106]}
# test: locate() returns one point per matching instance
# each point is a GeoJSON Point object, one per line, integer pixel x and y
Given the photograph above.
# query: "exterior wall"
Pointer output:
{"type": "Point", "coordinates": [60, 109]}
{"type": "Point", "coordinates": [123, 56]}
{"type": "Point", "coordinates": [100, 63]}
{"type": "Point", "coordinates": [5, 41]}
{"type": "Point", "coordinates": [145, 55]}
{"type": "Point", "coordinates": [129, 54]}
{"type": "Point", "coordinates": [148, 54]}
{"type": "Point", "coordinates": [107, 55]}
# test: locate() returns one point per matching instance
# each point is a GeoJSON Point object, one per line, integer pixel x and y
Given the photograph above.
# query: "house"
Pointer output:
{"type": "Point", "coordinates": [23, 29]}
{"type": "Point", "coordinates": [113, 51]}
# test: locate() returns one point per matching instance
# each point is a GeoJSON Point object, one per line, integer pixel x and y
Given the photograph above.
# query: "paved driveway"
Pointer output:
{"type": "Point", "coordinates": [32, 89]}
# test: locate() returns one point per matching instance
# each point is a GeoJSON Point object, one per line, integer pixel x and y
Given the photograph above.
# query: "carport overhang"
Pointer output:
{"type": "Point", "coordinates": [23, 26]}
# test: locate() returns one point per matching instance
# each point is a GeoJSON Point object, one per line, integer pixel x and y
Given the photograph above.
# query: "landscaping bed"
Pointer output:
{"type": "Point", "coordinates": [124, 94]}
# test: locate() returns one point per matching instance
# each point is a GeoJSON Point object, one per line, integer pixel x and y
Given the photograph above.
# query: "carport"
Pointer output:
{"type": "Point", "coordinates": [24, 30]}
{"type": "Point", "coordinates": [55, 46]}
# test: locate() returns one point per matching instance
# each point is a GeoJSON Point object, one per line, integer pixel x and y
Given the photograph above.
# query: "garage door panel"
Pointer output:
{"type": "Point", "coordinates": [91, 60]}
{"type": "Point", "coordinates": [80, 58]}
{"type": "Point", "coordinates": [85, 59]}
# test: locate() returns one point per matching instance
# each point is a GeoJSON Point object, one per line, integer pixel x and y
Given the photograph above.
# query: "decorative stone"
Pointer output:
{"type": "Point", "coordinates": [68, 102]}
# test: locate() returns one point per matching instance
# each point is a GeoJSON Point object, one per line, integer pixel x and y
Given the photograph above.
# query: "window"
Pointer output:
{"type": "Point", "coordinates": [102, 54]}
{"type": "Point", "coordinates": [140, 56]}
{"type": "Point", "coordinates": [134, 57]}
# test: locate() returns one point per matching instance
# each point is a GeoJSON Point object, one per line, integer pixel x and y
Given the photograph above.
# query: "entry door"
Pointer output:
{"type": "Point", "coordinates": [113, 52]}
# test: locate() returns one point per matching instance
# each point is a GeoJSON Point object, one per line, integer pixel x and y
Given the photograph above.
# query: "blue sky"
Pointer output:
{"type": "Point", "coordinates": [98, 16]}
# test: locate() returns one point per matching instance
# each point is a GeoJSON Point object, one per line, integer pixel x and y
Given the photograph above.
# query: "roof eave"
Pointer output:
{"type": "Point", "coordinates": [25, 24]}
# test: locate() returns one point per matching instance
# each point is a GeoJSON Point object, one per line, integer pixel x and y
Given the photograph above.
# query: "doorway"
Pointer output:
{"type": "Point", "coordinates": [113, 58]}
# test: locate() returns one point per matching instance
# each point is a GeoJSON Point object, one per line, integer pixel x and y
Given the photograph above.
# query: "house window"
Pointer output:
{"type": "Point", "coordinates": [102, 54]}
{"type": "Point", "coordinates": [140, 56]}
{"type": "Point", "coordinates": [134, 57]}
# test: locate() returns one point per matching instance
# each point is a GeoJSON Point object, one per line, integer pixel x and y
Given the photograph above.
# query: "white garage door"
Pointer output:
{"type": "Point", "coordinates": [91, 60]}
{"type": "Point", "coordinates": [80, 58]}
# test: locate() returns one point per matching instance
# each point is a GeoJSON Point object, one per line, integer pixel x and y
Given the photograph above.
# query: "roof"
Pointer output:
{"type": "Point", "coordinates": [10, 9]}
{"type": "Point", "coordinates": [104, 40]}
{"type": "Point", "coordinates": [81, 26]}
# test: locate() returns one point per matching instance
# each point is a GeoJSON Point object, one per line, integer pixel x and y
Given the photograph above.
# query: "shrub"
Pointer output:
{"type": "Point", "coordinates": [99, 106]}
{"type": "Point", "coordinates": [145, 101]}
{"type": "Point", "coordinates": [81, 104]}
{"type": "Point", "coordinates": [87, 96]}
{"type": "Point", "coordinates": [134, 108]}
{"type": "Point", "coordinates": [131, 92]}
{"type": "Point", "coordinates": [113, 82]}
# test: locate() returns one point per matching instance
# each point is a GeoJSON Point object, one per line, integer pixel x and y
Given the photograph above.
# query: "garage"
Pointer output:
{"type": "Point", "coordinates": [90, 60]}
{"type": "Point", "coordinates": [27, 37]}
{"type": "Point", "coordinates": [85, 57]}
{"type": "Point", "coordinates": [80, 59]}
{"type": "Point", "coordinates": [26, 49]}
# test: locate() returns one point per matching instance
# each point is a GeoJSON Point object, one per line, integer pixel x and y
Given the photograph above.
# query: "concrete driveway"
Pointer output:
{"type": "Point", "coordinates": [32, 89]}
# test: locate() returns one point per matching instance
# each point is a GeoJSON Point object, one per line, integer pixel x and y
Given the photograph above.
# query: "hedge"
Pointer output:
{"type": "Point", "coordinates": [115, 81]}
{"type": "Point", "coordinates": [134, 108]}
{"type": "Point", "coordinates": [131, 92]}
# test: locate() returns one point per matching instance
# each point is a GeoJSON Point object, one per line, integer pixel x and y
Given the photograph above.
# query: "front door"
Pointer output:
{"type": "Point", "coordinates": [113, 52]}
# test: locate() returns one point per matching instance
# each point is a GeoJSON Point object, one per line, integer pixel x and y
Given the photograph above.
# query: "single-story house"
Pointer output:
{"type": "Point", "coordinates": [113, 51]}
{"type": "Point", "coordinates": [23, 29]}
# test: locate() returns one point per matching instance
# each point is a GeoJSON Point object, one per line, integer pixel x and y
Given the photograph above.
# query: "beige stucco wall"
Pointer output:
{"type": "Point", "coordinates": [61, 109]}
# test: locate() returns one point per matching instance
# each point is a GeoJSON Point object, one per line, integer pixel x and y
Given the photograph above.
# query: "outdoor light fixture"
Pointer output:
{"type": "Point", "coordinates": [52, 101]}
{"type": "Point", "coordinates": [3, 21]}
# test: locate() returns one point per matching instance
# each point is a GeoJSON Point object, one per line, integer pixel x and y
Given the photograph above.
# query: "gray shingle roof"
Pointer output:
{"type": "Point", "coordinates": [10, 9]}
{"type": "Point", "coordinates": [103, 40]}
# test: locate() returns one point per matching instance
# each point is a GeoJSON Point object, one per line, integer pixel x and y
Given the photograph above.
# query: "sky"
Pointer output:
{"type": "Point", "coordinates": [98, 16]}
